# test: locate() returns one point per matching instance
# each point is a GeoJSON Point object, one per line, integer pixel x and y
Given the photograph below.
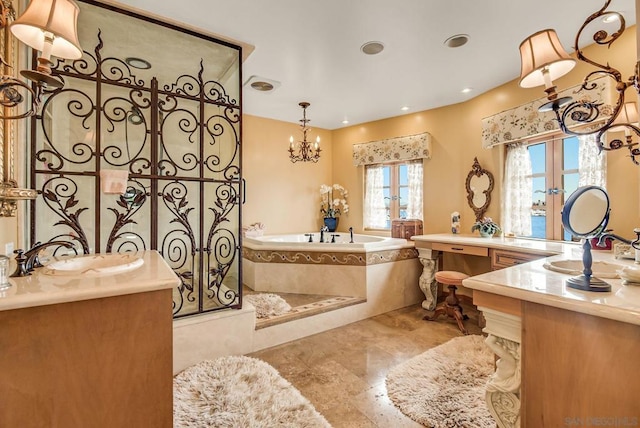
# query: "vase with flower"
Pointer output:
{"type": "Point", "coordinates": [333, 203]}
{"type": "Point", "coordinates": [487, 227]}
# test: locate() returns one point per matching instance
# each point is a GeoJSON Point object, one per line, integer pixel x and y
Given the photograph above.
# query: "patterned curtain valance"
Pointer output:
{"type": "Point", "coordinates": [525, 122]}
{"type": "Point", "coordinates": [393, 149]}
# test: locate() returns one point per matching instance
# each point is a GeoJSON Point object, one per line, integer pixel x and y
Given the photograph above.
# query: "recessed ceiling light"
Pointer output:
{"type": "Point", "coordinates": [466, 90]}
{"type": "Point", "coordinates": [405, 108]}
{"type": "Point", "coordinates": [457, 40]}
{"type": "Point", "coordinates": [344, 122]}
{"type": "Point", "coordinates": [372, 48]}
{"type": "Point", "coordinates": [138, 63]}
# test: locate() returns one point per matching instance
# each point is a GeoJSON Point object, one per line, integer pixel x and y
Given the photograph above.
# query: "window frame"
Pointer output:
{"type": "Point", "coordinates": [395, 186]}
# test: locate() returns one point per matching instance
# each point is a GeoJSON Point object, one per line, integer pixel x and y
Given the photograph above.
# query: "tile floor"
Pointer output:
{"type": "Point", "coordinates": [342, 371]}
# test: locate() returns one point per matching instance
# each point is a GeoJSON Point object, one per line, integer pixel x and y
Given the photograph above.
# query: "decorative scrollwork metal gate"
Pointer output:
{"type": "Point", "coordinates": [179, 141]}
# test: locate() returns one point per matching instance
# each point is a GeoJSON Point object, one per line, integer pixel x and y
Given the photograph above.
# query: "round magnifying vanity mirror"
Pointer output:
{"type": "Point", "coordinates": [479, 185]}
{"type": "Point", "coordinates": [585, 215]}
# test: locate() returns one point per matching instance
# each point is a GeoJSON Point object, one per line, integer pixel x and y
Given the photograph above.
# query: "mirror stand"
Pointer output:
{"type": "Point", "coordinates": [586, 281]}
{"type": "Point", "coordinates": [585, 215]}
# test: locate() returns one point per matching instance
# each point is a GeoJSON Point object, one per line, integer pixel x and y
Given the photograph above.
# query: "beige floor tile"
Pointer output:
{"type": "Point", "coordinates": [342, 371]}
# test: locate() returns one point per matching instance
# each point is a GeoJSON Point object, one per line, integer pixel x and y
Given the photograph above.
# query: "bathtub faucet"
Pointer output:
{"type": "Point", "coordinates": [333, 238]}
{"type": "Point", "coordinates": [310, 235]}
{"type": "Point", "coordinates": [351, 235]}
{"type": "Point", "coordinates": [323, 229]}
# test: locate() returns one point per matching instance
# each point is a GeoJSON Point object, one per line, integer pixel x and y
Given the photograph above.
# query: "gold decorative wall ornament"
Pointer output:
{"type": "Point", "coordinates": [479, 185]}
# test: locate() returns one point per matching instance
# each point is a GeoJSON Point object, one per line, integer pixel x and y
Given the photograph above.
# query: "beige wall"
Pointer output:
{"type": "Point", "coordinates": [284, 196]}
{"type": "Point", "coordinates": [8, 231]}
{"type": "Point", "coordinates": [456, 132]}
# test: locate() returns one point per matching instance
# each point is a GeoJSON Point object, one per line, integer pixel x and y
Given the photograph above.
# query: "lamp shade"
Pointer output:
{"type": "Point", "coordinates": [58, 17]}
{"type": "Point", "coordinates": [628, 114]}
{"type": "Point", "coordinates": [543, 51]}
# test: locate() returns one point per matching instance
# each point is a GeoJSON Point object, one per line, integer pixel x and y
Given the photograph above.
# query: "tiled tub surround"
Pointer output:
{"type": "Point", "coordinates": [288, 264]}
{"type": "Point", "coordinates": [383, 273]}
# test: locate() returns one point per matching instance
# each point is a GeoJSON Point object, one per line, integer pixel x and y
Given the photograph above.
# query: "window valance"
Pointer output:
{"type": "Point", "coordinates": [393, 149]}
{"type": "Point", "coordinates": [526, 122]}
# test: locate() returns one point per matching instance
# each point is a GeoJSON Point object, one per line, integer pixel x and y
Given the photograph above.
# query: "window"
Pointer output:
{"type": "Point", "coordinates": [540, 175]}
{"type": "Point", "coordinates": [555, 174]}
{"type": "Point", "coordinates": [392, 190]}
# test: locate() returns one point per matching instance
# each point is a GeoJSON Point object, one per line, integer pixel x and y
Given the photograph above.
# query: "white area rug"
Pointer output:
{"type": "Point", "coordinates": [445, 386]}
{"type": "Point", "coordinates": [239, 391]}
{"type": "Point", "coordinates": [267, 304]}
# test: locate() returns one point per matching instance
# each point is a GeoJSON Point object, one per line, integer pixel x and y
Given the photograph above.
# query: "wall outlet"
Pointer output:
{"type": "Point", "coordinates": [8, 249]}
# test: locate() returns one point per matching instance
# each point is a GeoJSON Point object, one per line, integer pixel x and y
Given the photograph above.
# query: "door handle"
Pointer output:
{"type": "Point", "coordinates": [555, 191]}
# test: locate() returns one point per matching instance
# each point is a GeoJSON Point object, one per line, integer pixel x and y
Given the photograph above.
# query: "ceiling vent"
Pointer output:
{"type": "Point", "coordinates": [262, 84]}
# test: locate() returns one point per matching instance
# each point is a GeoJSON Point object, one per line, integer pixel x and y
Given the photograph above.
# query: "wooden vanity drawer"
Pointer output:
{"type": "Point", "coordinates": [462, 249]}
{"type": "Point", "coordinates": [503, 259]}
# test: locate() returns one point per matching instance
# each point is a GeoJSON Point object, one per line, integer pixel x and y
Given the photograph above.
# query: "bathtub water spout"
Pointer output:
{"type": "Point", "coordinates": [323, 229]}
{"type": "Point", "coordinates": [351, 235]}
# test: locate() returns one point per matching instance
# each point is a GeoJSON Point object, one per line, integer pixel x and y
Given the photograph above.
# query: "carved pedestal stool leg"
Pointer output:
{"type": "Point", "coordinates": [451, 307]}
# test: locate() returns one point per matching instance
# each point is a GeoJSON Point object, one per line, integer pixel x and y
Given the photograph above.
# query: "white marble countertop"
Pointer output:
{"type": "Point", "coordinates": [533, 283]}
{"type": "Point", "coordinates": [40, 289]}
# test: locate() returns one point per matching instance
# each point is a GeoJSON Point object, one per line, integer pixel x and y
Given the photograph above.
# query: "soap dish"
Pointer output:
{"type": "Point", "coordinates": [630, 275]}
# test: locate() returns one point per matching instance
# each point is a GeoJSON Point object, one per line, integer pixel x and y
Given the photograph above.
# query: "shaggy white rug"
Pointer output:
{"type": "Point", "coordinates": [239, 391]}
{"type": "Point", "coordinates": [267, 304]}
{"type": "Point", "coordinates": [445, 386]}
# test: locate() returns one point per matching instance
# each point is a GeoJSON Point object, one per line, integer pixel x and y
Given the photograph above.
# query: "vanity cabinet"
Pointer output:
{"type": "Point", "coordinates": [88, 352]}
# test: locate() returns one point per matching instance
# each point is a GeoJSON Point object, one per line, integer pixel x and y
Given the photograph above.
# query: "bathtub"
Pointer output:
{"type": "Point", "coordinates": [382, 270]}
{"type": "Point", "coordinates": [332, 241]}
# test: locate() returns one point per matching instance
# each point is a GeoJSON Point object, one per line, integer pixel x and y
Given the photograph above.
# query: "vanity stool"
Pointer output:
{"type": "Point", "coordinates": [451, 305]}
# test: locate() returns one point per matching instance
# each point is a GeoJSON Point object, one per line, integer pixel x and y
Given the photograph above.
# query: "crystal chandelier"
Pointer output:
{"type": "Point", "coordinates": [304, 151]}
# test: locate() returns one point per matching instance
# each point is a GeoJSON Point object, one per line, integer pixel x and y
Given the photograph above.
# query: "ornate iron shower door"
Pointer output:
{"type": "Point", "coordinates": [179, 138]}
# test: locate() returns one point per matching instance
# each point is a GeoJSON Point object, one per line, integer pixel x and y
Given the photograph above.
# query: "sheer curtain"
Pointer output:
{"type": "Point", "coordinates": [375, 213]}
{"type": "Point", "coordinates": [518, 191]}
{"type": "Point", "coordinates": [414, 205]}
{"type": "Point", "coordinates": [592, 166]}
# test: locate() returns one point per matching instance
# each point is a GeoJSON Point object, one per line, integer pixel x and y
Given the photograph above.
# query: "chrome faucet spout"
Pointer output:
{"type": "Point", "coordinates": [607, 235]}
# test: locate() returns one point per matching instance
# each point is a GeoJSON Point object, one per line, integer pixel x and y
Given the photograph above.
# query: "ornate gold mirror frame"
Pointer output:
{"type": "Point", "coordinates": [479, 195]}
{"type": "Point", "coordinates": [10, 193]}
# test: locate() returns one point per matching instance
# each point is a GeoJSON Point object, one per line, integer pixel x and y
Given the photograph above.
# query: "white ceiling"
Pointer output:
{"type": "Point", "coordinates": [313, 48]}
